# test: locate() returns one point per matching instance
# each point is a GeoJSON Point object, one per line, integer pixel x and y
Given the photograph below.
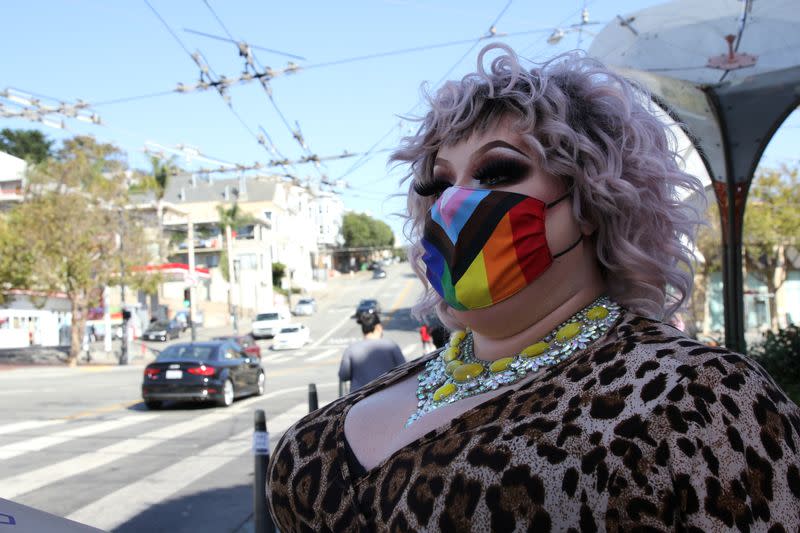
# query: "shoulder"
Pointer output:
{"type": "Point", "coordinates": [726, 436]}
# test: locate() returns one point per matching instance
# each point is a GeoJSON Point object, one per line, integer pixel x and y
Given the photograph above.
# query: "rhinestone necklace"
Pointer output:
{"type": "Point", "coordinates": [457, 374]}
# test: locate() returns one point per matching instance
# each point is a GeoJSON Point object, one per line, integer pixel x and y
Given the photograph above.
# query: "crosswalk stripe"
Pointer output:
{"type": "Point", "coordinates": [135, 498]}
{"type": "Point", "coordinates": [408, 350]}
{"type": "Point", "coordinates": [39, 443]}
{"type": "Point", "coordinates": [280, 359]}
{"type": "Point", "coordinates": [323, 355]}
{"type": "Point", "coordinates": [32, 480]}
{"type": "Point", "coordinates": [28, 424]}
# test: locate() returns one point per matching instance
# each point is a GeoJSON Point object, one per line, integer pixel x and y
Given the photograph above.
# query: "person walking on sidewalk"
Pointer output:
{"type": "Point", "coordinates": [371, 357]}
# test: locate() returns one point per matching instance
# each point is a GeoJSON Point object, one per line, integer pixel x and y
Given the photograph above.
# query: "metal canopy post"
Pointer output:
{"type": "Point", "coordinates": [730, 124]}
{"type": "Point", "coordinates": [728, 72]}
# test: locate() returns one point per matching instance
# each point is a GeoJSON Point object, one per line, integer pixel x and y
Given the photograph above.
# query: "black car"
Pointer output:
{"type": "Point", "coordinates": [162, 331]}
{"type": "Point", "coordinates": [217, 371]}
{"type": "Point", "coordinates": [366, 307]}
{"type": "Point", "coordinates": [378, 273]}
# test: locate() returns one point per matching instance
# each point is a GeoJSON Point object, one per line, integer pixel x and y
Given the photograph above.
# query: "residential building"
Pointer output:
{"type": "Point", "coordinates": [12, 180]}
{"type": "Point", "coordinates": [287, 230]}
{"type": "Point", "coordinates": [327, 211]}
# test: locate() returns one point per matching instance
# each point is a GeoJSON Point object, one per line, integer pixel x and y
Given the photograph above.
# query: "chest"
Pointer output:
{"type": "Point", "coordinates": [375, 427]}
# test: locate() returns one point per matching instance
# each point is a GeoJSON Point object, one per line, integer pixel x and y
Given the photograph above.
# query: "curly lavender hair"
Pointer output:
{"type": "Point", "coordinates": [598, 132]}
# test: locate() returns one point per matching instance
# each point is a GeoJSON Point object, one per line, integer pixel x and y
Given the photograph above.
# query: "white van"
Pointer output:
{"type": "Point", "coordinates": [269, 323]}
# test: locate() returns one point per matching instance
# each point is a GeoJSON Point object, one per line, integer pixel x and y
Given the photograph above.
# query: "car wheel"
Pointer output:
{"type": "Point", "coordinates": [152, 404]}
{"type": "Point", "coordinates": [262, 384]}
{"type": "Point", "coordinates": [227, 394]}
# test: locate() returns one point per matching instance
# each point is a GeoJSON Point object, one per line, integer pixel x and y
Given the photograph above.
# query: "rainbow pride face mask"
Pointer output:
{"type": "Point", "coordinates": [483, 246]}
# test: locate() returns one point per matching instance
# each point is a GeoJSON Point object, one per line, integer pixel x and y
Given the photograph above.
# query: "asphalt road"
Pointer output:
{"type": "Point", "coordinates": [79, 443]}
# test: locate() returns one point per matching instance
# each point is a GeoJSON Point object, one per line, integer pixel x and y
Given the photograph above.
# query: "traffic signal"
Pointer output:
{"type": "Point", "coordinates": [126, 314]}
{"type": "Point", "coordinates": [187, 298]}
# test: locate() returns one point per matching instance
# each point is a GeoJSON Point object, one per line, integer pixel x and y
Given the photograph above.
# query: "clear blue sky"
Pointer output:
{"type": "Point", "coordinates": [99, 50]}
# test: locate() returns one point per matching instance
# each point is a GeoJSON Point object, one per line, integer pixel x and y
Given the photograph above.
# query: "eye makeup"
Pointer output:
{"type": "Point", "coordinates": [433, 188]}
{"type": "Point", "coordinates": [500, 170]}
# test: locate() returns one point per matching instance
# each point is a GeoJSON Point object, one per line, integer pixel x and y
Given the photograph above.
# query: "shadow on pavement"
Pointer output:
{"type": "Point", "coordinates": [220, 510]}
{"type": "Point", "coordinates": [177, 406]}
{"type": "Point", "coordinates": [402, 321]}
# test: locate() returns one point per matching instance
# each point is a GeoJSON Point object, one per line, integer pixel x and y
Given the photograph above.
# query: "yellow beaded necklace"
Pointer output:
{"type": "Point", "coordinates": [456, 373]}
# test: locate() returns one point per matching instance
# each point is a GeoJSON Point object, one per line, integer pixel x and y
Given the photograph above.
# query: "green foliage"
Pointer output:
{"type": "Point", "coordinates": [30, 145]}
{"type": "Point", "coordinates": [363, 231]}
{"type": "Point", "coordinates": [779, 354]}
{"type": "Point", "coordinates": [278, 271]}
{"type": "Point", "coordinates": [234, 217]}
{"type": "Point", "coordinates": [771, 221]}
{"type": "Point", "coordinates": [157, 179]}
{"type": "Point", "coordinates": [74, 233]}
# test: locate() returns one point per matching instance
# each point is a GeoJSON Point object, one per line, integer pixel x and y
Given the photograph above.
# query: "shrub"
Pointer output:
{"type": "Point", "coordinates": [779, 354]}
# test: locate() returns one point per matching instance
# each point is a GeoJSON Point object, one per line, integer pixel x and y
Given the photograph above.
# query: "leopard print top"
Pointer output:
{"type": "Point", "coordinates": [644, 430]}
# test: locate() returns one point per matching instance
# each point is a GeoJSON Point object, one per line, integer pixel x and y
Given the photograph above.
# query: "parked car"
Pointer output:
{"type": "Point", "coordinates": [218, 371]}
{"type": "Point", "coordinates": [162, 331]}
{"type": "Point", "coordinates": [269, 323]}
{"type": "Point", "coordinates": [305, 307]}
{"type": "Point", "coordinates": [367, 306]}
{"type": "Point", "coordinates": [245, 341]}
{"type": "Point", "coordinates": [378, 273]}
{"type": "Point", "coordinates": [291, 336]}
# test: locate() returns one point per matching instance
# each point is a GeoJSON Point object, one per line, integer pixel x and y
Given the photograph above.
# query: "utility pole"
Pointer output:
{"type": "Point", "coordinates": [231, 274]}
{"type": "Point", "coordinates": [192, 276]}
{"type": "Point", "coordinates": [123, 356]}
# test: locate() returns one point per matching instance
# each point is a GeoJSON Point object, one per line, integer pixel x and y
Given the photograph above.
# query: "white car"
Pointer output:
{"type": "Point", "coordinates": [269, 323]}
{"type": "Point", "coordinates": [291, 336]}
{"type": "Point", "coordinates": [305, 307]}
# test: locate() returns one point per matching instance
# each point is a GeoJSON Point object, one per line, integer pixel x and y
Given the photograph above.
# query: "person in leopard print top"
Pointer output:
{"type": "Point", "coordinates": [533, 193]}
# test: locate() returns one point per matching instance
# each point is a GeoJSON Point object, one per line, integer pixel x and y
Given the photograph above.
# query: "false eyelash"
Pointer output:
{"type": "Point", "coordinates": [508, 170]}
{"type": "Point", "coordinates": [431, 189]}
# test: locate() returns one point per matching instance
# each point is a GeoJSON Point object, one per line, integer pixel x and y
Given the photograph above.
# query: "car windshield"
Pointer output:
{"type": "Point", "coordinates": [304, 302]}
{"type": "Point", "coordinates": [159, 325]}
{"type": "Point", "coordinates": [203, 352]}
{"type": "Point", "coordinates": [267, 316]}
{"type": "Point", "coordinates": [367, 303]}
{"type": "Point", "coordinates": [294, 329]}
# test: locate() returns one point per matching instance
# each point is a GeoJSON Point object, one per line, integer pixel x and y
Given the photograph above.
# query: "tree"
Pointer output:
{"type": "Point", "coordinates": [73, 222]}
{"type": "Point", "coordinates": [30, 145]}
{"type": "Point", "coordinates": [771, 225]}
{"type": "Point", "coordinates": [709, 243]}
{"type": "Point", "coordinates": [161, 170]}
{"type": "Point", "coordinates": [278, 271]}
{"type": "Point", "coordinates": [229, 219]}
{"type": "Point", "coordinates": [363, 231]}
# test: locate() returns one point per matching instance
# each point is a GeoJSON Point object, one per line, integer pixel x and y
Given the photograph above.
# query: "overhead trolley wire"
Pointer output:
{"type": "Point", "coordinates": [368, 154]}
{"type": "Point", "coordinates": [194, 58]}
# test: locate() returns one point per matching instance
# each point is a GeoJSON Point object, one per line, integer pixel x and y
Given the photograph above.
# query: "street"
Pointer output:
{"type": "Point", "coordinates": [79, 442]}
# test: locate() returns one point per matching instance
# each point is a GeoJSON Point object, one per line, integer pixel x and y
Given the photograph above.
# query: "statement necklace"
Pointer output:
{"type": "Point", "coordinates": [457, 374]}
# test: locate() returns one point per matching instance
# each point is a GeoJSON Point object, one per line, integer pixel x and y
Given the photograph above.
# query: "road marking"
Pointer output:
{"type": "Point", "coordinates": [121, 505]}
{"type": "Point", "coordinates": [279, 359]}
{"type": "Point", "coordinates": [39, 443]}
{"type": "Point", "coordinates": [101, 410]}
{"type": "Point", "coordinates": [409, 349]}
{"type": "Point", "coordinates": [330, 332]}
{"type": "Point", "coordinates": [28, 481]}
{"type": "Point", "coordinates": [323, 355]}
{"type": "Point", "coordinates": [28, 424]}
